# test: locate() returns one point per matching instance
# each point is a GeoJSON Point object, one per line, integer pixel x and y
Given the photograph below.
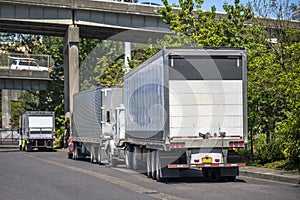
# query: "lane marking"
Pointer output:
{"type": "Point", "coordinates": [122, 183]}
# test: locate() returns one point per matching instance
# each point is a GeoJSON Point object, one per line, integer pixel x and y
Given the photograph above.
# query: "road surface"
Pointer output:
{"type": "Point", "coordinates": [50, 175]}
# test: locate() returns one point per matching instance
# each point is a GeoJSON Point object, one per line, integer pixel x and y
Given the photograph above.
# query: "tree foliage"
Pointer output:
{"type": "Point", "coordinates": [273, 66]}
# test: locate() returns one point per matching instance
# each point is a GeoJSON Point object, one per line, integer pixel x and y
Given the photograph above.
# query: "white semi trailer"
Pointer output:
{"type": "Point", "coordinates": [183, 108]}
{"type": "Point", "coordinates": [93, 122]}
{"type": "Point", "coordinates": [36, 130]}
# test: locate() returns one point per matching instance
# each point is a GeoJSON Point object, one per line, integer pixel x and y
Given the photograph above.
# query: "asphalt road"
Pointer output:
{"type": "Point", "coordinates": [51, 176]}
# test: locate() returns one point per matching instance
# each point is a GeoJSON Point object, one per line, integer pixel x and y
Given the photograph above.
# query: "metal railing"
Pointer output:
{"type": "Point", "coordinates": [9, 136]}
{"type": "Point", "coordinates": [7, 58]}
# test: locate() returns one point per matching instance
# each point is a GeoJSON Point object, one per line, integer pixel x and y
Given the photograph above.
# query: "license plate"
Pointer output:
{"type": "Point", "coordinates": [207, 160]}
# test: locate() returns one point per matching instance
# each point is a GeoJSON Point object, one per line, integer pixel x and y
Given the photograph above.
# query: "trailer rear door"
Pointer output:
{"type": "Point", "coordinates": [205, 95]}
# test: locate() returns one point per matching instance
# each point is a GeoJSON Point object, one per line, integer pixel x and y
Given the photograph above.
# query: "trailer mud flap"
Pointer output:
{"type": "Point", "coordinates": [229, 171]}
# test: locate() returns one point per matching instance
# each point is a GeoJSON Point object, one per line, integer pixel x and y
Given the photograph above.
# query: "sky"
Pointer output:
{"type": "Point", "coordinates": [218, 3]}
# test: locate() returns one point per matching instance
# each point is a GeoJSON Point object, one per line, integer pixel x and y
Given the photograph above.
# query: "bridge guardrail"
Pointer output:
{"type": "Point", "coordinates": [9, 136]}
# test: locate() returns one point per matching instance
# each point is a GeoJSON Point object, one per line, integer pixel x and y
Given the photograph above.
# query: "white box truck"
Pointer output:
{"type": "Point", "coordinates": [183, 108]}
{"type": "Point", "coordinates": [36, 130]}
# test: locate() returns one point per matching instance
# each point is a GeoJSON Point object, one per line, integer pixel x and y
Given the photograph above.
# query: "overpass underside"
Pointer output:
{"type": "Point", "coordinates": [23, 80]}
{"type": "Point", "coordinates": [95, 19]}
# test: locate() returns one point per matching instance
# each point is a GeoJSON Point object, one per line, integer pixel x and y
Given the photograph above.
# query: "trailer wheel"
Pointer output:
{"type": "Point", "coordinates": [135, 152]}
{"type": "Point", "coordinates": [75, 153]}
{"type": "Point", "coordinates": [27, 147]}
{"type": "Point", "coordinates": [99, 155]}
{"type": "Point", "coordinates": [128, 157]}
{"type": "Point", "coordinates": [93, 154]}
{"type": "Point", "coordinates": [149, 169]}
{"type": "Point", "coordinates": [153, 164]}
{"type": "Point", "coordinates": [92, 157]}
{"type": "Point", "coordinates": [159, 177]}
{"type": "Point", "coordinates": [70, 155]}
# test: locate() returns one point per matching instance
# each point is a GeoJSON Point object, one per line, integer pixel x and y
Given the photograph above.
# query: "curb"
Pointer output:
{"type": "Point", "coordinates": [290, 178]}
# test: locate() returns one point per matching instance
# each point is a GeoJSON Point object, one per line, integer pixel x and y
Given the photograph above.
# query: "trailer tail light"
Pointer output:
{"type": "Point", "coordinates": [177, 145]}
{"type": "Point", "coordinates": [236, 144]}
{"type": "Point", "coordinates": [196, 160]}
{"type": "Point", "coordinates": [217, 160]}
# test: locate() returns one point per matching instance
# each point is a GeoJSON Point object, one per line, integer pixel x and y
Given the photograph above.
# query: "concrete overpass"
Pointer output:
{"type": "Point", "coordinates": [23, 80]}
{"type": "Point", "coordinates": [95, 19]}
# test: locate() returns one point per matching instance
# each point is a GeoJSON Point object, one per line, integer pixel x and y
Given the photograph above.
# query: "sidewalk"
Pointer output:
{"type": "Point", "coordinates": [270, 174]}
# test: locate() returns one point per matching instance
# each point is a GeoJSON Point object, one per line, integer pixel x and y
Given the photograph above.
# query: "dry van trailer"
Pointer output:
{"type": "Point", "coordinates": [187, 108]}
{"type": "Point", "coordinates": [93, 124]}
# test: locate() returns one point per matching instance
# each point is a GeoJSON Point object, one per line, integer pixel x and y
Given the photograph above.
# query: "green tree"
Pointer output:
{"type": "Point", "coordinates": [273, 65]}
{"type": "Point", "coordinates": [205, 28]}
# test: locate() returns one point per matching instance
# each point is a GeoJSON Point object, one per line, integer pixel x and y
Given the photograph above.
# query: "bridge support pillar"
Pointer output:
{"type": "Point", "coordinates": [71, 67]}
{"type": "Point", "coordinates": [71, 75]}
{"type": "Point", "coordinates": [6, 109]}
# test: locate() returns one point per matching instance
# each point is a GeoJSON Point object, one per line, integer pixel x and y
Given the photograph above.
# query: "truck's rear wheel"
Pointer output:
{"type": "Point", "coordinates": [128, 157]}
{"type": "Point", "coordinates": [93, 154]}
{"type": "Point", "coordinates": [99, 155]}
{"type": "Point", "coordinates": [75, 153]}
{"type": "Point", "coordinates": [135, 152]}
{"type": "Point", "coordinates": [70, 155]}
{"type": "Point", "coordinates": [158, 170]}
{"type": "Point", "coordinates": [149, 169]}
{"type": "Point", "coordinates": [27, 147]}
{"type": "Point", "coordinates": [92, 157]}
{"type": "Point", "coordinates": [153, 164]}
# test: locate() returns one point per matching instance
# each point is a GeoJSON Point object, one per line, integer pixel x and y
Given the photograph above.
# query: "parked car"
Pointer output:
{"type": "Point", "coordinates": [26, 64]}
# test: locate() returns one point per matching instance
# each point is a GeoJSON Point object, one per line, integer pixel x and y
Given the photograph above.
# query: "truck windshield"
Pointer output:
{"type": "Point", "coordinates": [40, 132]}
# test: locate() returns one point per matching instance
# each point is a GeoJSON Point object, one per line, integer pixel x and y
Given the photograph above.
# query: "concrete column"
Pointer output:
{"type": "Point", "coordinates": [71, 67]}
{"type": "Point", "coordinates": [6, 109]}
{"type": "Point", "coordinates": [127, 48]}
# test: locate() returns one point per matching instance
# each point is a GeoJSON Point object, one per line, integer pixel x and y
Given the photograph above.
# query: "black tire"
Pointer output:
{"type": "Point", "coordinates": [27, 148]}
{"type": "Point", "coordinates": [159, 177]}
{"type": "Point", "coordinates": [135, 164]}
{"type": "Point", "coordinates": [128, 157]}
{"type": "Point", "coordinates": [70, 155]}
{"type": "Point", "coordinates": [99, 155]}
{"type": "Point", "coordinates": [149, 169]}
{"type": "Point", "coordinates": [153, 164]}
{"type": "Point", "coordinates": [75, 153]}
{"type": "Point", "coordinates": [92, 157]}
